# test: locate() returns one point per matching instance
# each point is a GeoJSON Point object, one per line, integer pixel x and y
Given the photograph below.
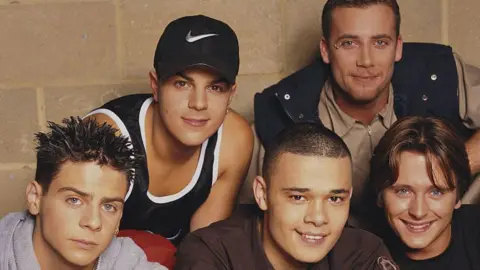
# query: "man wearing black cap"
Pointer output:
{"type": "Point", "coordinates": [197, 150]}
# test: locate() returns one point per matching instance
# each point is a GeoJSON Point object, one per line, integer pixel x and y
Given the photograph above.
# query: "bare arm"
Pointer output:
{"type": "Point", "coordinates": [235, 155]}
{"type": "Point", "coordinates": [473, 151]}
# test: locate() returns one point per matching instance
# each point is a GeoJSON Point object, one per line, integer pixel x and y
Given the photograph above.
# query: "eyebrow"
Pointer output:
{"type": "Point", "coordinates": [90, 196]}
{"type": "Point", "coordinates": [303, 190]}
{"type": "Point", "coordinates": [221, 80]}
{"type": "Point", "coordinates": [345, 36]}
{"type": "Point", "coordinates": [296, 189]}
{"type": "Point", "coordinates": [400, 186]}
{"type": "Point", "coordinates": [382, 36]}
{"type": "Point", "coordinates": [181, 74]}
{"type": "Point", "coordinates": [190, 79]}
{"type": "Point", "coordinates": [410, 187]}
{"type": "Point", "coordinates": [340, 191]}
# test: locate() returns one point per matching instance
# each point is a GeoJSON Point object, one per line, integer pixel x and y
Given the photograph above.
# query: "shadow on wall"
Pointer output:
{"type": "Point", "coordinates": [304, 47]}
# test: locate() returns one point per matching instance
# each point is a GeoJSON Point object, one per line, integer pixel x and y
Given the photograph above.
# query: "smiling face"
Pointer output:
{"type": "Point", "coordinates": [419, 212]}
{"type": "Point", "coordinates": [362, 49]}
{"type": "Point", "coordinates": [78, 216]}
{"type": "Point", "coordinates": [306, 207]}
{"type": "Point", "coordinates": [192, 104]}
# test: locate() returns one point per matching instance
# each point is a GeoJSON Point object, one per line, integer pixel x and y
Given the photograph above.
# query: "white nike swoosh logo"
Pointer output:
{"type": "Point", "coordinates": [191, 38]}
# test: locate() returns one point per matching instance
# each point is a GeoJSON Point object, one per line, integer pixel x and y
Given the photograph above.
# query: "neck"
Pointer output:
{"type": "Point", "coordinates": [434, 249]}
{"type": "Point", "coordinates": [48, 258]}
{"type": "Point", "coordinates": [364, 112]}
{"type": "Point", "coordinates": [164, 144]}
{"type": "Point", "coordinates": [278, 258]}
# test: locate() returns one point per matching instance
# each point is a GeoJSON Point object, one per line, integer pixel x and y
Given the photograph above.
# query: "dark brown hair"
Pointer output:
{"type": "Point", "coordinates": [78, 141]}
{"type": "Point", "coordinates": [436, 139]}
{"type": "Point", "coordinates": [333, 4]}
{"type": "Point", "coordinates": [307, 139]}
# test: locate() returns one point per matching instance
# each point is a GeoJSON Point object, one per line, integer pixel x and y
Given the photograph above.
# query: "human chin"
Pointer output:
{"type": "Point", "coordinates": [80, 257]}
{"type": "Point", "coordinates": [189, 138]}
{"type": "Point", "coordinates": [363, 94]}
{"type": "Point", "coordinates": [310, 248]}
{"type": "Point", "coordinates": [310, 254]}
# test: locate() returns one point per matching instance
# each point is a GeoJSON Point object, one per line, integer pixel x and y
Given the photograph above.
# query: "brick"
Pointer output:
{"type": "Point", "coordinates": [12, 189]}
{"type": "Point", "coordinates": [421, 20]}
{"type": "Point", "coordinates": [248, 85]}
{"type": "Point", "coordinates": [464, 31]}
{"type": "Point", "coordinates": [258, 27]}
{"type": "Point", "coordinates": [18, 115]}
{"type": "Point", "coordinates": [303, 32]}
{"type": "Point", "coordinates": [58, 42]}
{"type": "Point", "coordinates": [77, 101]}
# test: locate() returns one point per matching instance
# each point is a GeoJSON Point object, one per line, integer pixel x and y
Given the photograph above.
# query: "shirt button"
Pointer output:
{"type": "Point", "coordinates": [433, 77]}
{"type": "Point", "coordinates": [286, 97]}
{"type": "Point", "coordinates": [424, 97]}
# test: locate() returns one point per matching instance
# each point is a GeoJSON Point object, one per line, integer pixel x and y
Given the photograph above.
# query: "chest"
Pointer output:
{"type": "Point", "coordinates": [167, 179]}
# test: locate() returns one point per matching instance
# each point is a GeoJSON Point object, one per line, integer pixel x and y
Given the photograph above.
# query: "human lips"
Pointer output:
{"type": "Point", "coordinates": [364, 77]}
{"type": "Point", "coordinates": [84, 244]}
{"type": "Point", "coordinates": [312, 238]}
{"type": "Point", "coordinates": [195, 122]}
{"type": "Point", "coordinates": [417, 227]}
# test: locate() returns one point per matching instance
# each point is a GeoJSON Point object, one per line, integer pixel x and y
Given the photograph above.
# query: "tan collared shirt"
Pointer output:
{"type": "Point", "coordinates": [361, 139]}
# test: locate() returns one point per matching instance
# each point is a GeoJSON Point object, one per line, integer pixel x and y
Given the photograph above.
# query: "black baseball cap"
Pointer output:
{"type": "Point", "coordinates": [197, 41]}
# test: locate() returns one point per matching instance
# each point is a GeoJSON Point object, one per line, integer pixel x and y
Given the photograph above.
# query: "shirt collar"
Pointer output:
{"type": "Point", "coordinates": [343, 123]}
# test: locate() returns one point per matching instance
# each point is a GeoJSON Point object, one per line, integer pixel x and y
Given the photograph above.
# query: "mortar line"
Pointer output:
{"type": "Point", "coordinates": [16, 166]}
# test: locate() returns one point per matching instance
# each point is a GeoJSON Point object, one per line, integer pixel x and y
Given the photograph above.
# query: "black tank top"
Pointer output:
{"type": "Point", "coordinates": [168, 215]}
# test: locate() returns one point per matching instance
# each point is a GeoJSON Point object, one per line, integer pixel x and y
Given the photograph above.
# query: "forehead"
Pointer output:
{"type": "Point", "coordinates": [413, 171]}
{"type": "Point", "coordinates": [201, 72]}
{"type": "Point", "coordinates": [363, 21]}
{"type": "Point", "coordinates": [319, 174]}
{"type": "Point", "coordinates": [102, 181]}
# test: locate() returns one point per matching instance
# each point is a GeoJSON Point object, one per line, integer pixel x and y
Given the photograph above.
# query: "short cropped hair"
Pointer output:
{"type": "Point", "coordinates": [432, 137]}
{"type": "Point", "coordinates": [80, 140]}
{"type": "Point", "coordinates": [308, 139]}
{"type": "Point", "coordinates": [333, 4]}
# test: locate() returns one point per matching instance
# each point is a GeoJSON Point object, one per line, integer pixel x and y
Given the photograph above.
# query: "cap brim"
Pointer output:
{"type": "Point", "coordinates": [171, 67]}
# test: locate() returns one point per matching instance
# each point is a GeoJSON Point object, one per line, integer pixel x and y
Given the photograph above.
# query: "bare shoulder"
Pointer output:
{"type": "Point", "coordinates": [237, 139]}
{"type": "Point", "coordinates": [237, 133]}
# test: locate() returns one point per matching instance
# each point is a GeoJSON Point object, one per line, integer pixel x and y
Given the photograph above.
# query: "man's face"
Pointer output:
{"type": "Point", "coordinates": [193, 104]}
{"type": "Point", "coordinates": [79, 214]}
{"type": "Point", "coordinates": [307, 200]}
{"type": "Point", "coordinates": [362, 49]}
{"type": "Point", "coordinates": [418, 212]}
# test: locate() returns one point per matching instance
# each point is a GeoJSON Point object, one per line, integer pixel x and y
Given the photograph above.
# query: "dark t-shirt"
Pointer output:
{"type": "Point", "coordinates": [463, 253]}
{"type": "Point", "coordinates": [235, 244]}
